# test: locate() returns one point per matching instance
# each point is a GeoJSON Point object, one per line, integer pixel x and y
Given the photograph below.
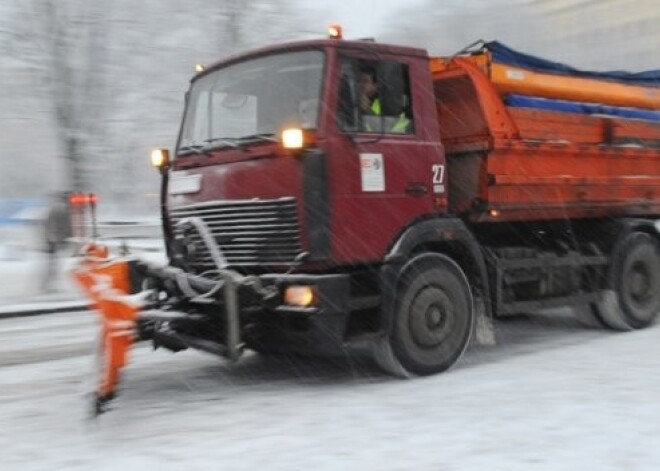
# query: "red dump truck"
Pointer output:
{"type": "Point", "coordinates": [481, 185]}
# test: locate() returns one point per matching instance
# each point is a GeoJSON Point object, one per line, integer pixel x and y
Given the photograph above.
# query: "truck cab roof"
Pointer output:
{"type": "Point", "coordinates": [368, 46]}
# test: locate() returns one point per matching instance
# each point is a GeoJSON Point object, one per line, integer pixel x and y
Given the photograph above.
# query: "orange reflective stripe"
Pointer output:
{"type": "Point", "coordinates": [107, 283]}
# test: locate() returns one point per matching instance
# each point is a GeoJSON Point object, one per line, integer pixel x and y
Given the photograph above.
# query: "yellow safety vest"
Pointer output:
{"type": "Point", "coordinates": [375, 107]}
{"type": "Point", "coordinates": [399, 127]}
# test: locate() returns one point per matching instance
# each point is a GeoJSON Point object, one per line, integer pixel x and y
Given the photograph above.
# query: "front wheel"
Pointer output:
{"type": "Point", "coordinates": [434, 316]}
{"type": "Point", "coordinates": [633, 301]}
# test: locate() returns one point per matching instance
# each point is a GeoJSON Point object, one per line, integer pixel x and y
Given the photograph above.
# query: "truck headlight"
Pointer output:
{"type": "Point", "coordinates": [160, 158]}
{"type": "Point", "coordinates": [292, 138]}
{"type": "Point", "coordinates": [300, 295]}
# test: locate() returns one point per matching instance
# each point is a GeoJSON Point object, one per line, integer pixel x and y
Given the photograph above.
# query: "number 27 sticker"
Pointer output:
{"type": "Point", "coordinates": [438, 172]}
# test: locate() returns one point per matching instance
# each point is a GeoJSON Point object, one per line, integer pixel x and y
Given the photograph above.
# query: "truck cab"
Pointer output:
{"type": "Point", "coordinates": [339, 196]}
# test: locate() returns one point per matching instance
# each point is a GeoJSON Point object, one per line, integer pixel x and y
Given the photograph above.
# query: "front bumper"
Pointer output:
{"type": "Point", "coordinates": [249, 312]}
{"type": "Point", "coordinates": [319, 329]}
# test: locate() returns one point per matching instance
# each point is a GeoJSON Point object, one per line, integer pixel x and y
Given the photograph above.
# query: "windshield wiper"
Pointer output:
{"type": "Point", "coordinates": [233, 142]}
{"type": "Point", "coordinates": [223, 141]}
{"type": "Point", "coordinates": [263, 136]}
{"type": "Point", "coordinates": [191, 149]}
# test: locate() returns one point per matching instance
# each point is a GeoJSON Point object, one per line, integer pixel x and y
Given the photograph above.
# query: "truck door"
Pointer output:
{"type": "Point", "coordinates": [382, 171]}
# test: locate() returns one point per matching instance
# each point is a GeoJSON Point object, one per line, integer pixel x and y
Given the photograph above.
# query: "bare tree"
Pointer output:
{"type": "Point", "coordinates": [65, 41]}
{"type": "Point", "coordinates": [249, 23]}
{"type": "Point", "coordinates": [114, 74]}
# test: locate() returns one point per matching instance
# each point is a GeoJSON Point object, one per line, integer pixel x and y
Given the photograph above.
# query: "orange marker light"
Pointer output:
{"type": "Point", "coordinates": [335, 31]}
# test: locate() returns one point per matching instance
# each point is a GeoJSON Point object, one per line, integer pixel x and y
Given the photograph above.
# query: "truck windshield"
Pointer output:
{"type": "Point", "coordinates": [252, 100]}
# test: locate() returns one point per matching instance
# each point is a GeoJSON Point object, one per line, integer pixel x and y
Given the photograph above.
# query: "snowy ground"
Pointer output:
{"type": "Point", "coordinates": [550, 395]}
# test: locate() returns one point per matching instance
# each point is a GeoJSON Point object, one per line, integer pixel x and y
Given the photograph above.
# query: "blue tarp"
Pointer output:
{"type": "Point", "coordinates": [505, 55]}
{"type": "Point", "coordinates": [521, 101]}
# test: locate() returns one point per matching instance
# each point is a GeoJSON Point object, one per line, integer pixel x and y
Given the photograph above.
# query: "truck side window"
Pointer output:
{"type": "Point", "coordinates": [376, 96]}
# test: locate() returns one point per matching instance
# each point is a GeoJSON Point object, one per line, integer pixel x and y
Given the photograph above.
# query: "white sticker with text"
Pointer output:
{"type": "Point", "coordinates": [373, 172]}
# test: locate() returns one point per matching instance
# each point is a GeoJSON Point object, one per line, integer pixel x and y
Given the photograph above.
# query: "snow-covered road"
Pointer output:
{"type": "Point", "coordinates": [550, 395]}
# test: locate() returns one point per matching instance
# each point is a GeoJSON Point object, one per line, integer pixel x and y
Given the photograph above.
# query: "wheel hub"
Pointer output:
{"type": "Point", "coordinates": [435, 317]}
{"type": "Point", "coordinates": [432, 317]}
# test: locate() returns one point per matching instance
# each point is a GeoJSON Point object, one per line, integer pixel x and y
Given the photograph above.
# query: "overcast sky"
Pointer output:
{"type": "Point", "coordinates": [362, 18]}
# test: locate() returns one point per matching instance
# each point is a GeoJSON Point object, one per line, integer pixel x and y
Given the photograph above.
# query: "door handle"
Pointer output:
{"type": "Point", "coordinates": [416, 189]}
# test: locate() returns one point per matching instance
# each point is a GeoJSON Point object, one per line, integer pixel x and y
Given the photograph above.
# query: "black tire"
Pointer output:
{"type": "Point", "coordinates": [633, 301]}
{"type": "Point", "coordinates": [434, 316]}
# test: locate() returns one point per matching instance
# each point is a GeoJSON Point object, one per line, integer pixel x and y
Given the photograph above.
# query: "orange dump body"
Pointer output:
{"type": "Point", "coordinates": [509, 163]}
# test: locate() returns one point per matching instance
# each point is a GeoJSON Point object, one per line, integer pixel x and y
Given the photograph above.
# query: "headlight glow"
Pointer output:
{"type": "Point", "coordinates": [292, 138]}
{"type": "Point", "coordinates": [299, 295]}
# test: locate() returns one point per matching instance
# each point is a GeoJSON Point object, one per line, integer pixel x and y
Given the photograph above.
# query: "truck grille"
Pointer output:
{"type": "Point", "coordinates": [248, 232]}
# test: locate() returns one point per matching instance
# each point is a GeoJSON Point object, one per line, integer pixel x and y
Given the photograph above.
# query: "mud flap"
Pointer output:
{"type": "Point", "coordinates": [484, 330]}
{"type": "Point", "coordinates": [107, 283]}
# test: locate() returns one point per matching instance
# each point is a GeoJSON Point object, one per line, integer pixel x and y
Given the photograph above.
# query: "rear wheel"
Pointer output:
{"type": "Point", "coordinates": [434, 317]}
{"type": "Point", "coordinates": [633, 301]}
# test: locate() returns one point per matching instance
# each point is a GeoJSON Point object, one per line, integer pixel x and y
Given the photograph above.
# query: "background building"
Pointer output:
{"type": "Point", "coordinates": [601, 34]}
